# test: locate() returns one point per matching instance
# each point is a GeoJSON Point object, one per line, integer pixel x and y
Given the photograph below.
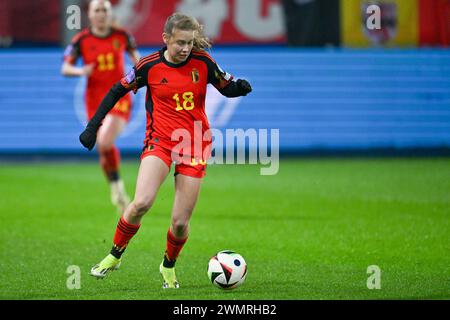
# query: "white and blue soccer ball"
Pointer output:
{"type": "Point", "coordinates": [227, 269]}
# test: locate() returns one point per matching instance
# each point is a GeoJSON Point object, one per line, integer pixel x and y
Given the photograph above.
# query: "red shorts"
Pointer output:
{"type": "Point", "coordinates": [190, 167]}
{"type": "Point", "coordinates": [121, 109]}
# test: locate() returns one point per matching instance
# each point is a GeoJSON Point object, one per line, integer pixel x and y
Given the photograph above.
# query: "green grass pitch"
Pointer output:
{"type": "Point", "coordinates": [309, 232]}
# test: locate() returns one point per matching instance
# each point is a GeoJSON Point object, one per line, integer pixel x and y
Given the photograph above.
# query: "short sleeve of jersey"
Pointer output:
{"type": "Point", "coordinates": [73, 51]}
{"type": "Point", "coordinates": [216, 76]}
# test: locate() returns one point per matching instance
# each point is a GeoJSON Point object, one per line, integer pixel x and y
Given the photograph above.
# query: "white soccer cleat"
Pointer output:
{"type": "Point", "coordinates": [119, 196]}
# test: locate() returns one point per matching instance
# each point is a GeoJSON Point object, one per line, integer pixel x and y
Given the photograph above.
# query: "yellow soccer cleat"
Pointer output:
{"type": "Point", "coordinates": [169, 277]}
{"type": "Point", "coordinates": [110, 263]}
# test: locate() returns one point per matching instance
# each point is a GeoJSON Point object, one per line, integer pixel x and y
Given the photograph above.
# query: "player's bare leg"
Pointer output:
{"type": "Point", "coordinates": [187, 190]}
{"type": "Point", "coordinates": [110, 159]}
{"type": "Point", "coordinates": [152, 173]}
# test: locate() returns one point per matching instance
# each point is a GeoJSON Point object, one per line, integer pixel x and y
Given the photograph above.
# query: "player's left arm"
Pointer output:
{"type": "Point", "coordinates": [225, 84]}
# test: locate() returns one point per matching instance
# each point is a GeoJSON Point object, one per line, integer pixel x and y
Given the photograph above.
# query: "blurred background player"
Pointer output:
{"type": "Point", "coordinates": [102, 47]}
{"type": "Point", "coordinates": [176, 77]}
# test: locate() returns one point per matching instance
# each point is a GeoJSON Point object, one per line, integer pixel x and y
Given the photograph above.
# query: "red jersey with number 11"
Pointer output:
{"type": "Point", "coordinates": [108, 55]}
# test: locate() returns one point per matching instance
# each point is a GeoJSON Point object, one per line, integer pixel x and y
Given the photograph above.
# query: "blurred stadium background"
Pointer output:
{"type": "Point", "coordinates": [330, 85]}
{"type": "Point", "coordinates": [320, 76]}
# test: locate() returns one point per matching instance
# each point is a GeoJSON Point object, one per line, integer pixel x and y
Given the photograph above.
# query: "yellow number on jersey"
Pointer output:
{"type": "Point", "coordinates": [106, 62]}
{"type": "Point", "coordinates": [188, 101]}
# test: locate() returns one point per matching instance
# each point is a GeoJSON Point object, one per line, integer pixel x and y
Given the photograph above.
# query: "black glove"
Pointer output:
{"type": "Point", "coordinates": [88, 137]}
{"type": "Point", "coordinates": [244, 86]}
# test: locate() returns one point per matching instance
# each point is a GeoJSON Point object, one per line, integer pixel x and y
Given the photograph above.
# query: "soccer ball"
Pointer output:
{"type": "Point", "coordinates": [227, 269]}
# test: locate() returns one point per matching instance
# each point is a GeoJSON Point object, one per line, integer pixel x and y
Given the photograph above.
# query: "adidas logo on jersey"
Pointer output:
{"type": "Point", "coordinates": [164, 80]}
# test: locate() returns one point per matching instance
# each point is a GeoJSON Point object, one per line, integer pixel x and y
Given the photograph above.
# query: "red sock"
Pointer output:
{"type": "Point", "coordinates": [124, 232]}
{"type": "Point", "coordinates": [173, 248]}
{"type": "Point", "coordinates": [110, 162]}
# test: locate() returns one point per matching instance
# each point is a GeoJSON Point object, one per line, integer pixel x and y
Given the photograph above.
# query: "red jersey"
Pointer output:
{"type": "Point", "coordinates": [108, 55]}
{"type": "Point", "coordinates": [176, 95]}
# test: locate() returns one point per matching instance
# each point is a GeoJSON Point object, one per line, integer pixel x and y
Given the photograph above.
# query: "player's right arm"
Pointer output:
{"type": "Point", "coordinates": [69, 70]}
{"type": "Point", "coordinates": [134, 80]}
{"type": "Point", "coordinates": [223, 81]}
{"type": "Point", "coordinates": [71, 55]}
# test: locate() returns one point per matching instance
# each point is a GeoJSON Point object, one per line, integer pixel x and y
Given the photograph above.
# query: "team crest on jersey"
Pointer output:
{"type": "Point", "coordinates": [195, 75]}
{"type": "Point", "coordinates": [116, 44]}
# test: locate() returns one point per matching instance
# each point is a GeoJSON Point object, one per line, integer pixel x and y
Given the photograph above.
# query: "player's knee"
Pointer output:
{"type": "Point", "coordinates": [141, 206]}
{"type": "Point", "coordinates": [180, 226]}
{"type": "Point", "coordinates": [103, 146]}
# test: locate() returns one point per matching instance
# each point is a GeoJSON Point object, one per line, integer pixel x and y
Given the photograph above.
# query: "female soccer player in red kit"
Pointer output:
{"type": "Point", "coordinates": [102, 48]}
{"type": "Point", "coordinates": [176, 78]}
